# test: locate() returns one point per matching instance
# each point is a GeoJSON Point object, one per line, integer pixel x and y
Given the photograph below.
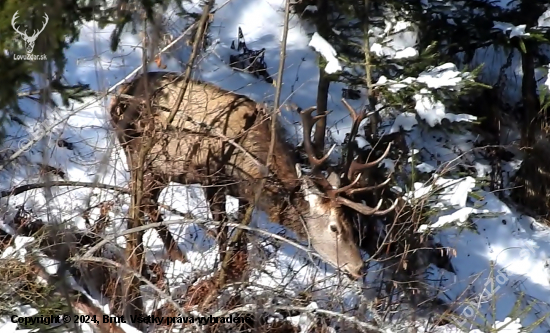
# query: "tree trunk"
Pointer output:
{"type": "Point", "coordinates": [322, 105]}
{"type": "Point", "coordinates": [323, 29]}
{"type": "Point", "coordinates": [531, 105]}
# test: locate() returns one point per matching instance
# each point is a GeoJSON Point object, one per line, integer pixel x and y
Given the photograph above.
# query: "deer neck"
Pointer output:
{"type": "Point", "coordinates": [289, 212]}
{"type": "Point", "coordinates": [282, 198]}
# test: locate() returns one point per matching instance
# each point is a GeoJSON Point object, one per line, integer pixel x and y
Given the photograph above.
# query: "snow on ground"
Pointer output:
{"type": "Point", "coordinates": [491, 239]}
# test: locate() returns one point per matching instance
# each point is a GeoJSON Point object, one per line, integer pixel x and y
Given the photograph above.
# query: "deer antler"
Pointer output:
{"type": "Point", "coordinates": [13, 20]}
{"type": "Point", "coordinates": [355, 166]}
{"type": "Point", "coordinates": [36, 32]}
{"type": "Point", "coordinates": [308, 121]}
{"type": "Point", "coordinates": [43, 26]}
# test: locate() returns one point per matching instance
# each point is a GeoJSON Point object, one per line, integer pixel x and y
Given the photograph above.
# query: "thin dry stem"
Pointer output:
{"type": "Point", "coordinates": [258, 191]}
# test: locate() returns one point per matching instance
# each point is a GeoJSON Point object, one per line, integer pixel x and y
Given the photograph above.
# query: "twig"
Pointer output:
{"type": "Point", "coordinates": [189, 66]}
{"type": "Point", "coordinates": [86, 306]}
{"type": "Point", "coordinates": [28, 187]}
{"type": "Point", "coordinates": [123, 190]}
{"type": "Point", "coordinates": [278, 90]}
{"type": "Point", "coordinates": [136, 275]}
{"type": "Point", "coordinates": [258, 191]}
{"type": "Point", "coordinates": [138, 166]}
{"type": "Point", "coordinates": [109, 238]}
{"type": "Point", "coordinates": [135, 256]}
{"type": "Point", "coordinates": [29, 93]}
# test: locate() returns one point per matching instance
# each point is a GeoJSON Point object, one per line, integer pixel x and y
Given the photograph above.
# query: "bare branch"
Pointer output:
{"type": "Point", "coordinates": [28, 187]}
{"type": "Point", "coordinates": [190, 63]}
{"type": "Point", "coordinates": [110, 238]}
{"type": "Point", "coordinates": [139, 277]}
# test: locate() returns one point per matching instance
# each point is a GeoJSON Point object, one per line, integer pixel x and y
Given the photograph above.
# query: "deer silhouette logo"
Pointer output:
{"type": "Point", "coordinates": [29, 40]}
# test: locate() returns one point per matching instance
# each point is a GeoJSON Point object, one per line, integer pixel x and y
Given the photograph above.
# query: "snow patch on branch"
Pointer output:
{"type": "Point", "coordinates": [446, 75]}
{"type": "Point", "coordinates": [544, 19]}
{"type": "Point", "coordinates": [327, 51]}
{"type": "Point", "coordinates": [433, 112]}
{"type": "Point", "coordinates": [514, 30]}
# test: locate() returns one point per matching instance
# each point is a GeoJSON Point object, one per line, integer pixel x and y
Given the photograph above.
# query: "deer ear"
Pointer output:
{"type": "Point", "coordinates": [308, 187]}
{"type": "Point", "coordinates": [334, 180]}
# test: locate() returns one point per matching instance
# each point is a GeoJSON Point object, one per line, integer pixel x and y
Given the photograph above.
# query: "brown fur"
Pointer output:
{"type": "Point", "coordinates": [194, 164]}
{"type": "Point", "coordinates": [187, 152]}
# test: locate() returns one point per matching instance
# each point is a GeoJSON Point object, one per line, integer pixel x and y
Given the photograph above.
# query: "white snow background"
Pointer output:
{"type": "Point", "coordinates": [515, 243]}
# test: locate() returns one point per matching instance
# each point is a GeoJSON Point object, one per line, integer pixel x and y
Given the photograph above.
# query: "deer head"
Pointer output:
{"type": "Point", "coordinates": [330, 229]}
{"type": "Point", "coordinates": [29, 40]}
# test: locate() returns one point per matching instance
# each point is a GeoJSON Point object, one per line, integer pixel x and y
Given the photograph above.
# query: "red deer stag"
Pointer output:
{"type": "Point", "coordinates": [217, 134]}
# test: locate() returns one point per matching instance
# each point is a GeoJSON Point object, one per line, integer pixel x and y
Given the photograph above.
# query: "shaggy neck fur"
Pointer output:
{"type": "Point", "coordinates": [282, 198]}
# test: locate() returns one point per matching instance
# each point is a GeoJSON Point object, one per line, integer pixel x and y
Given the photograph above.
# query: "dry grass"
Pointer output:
{"type": "Point", "coordinates": [19, 285]}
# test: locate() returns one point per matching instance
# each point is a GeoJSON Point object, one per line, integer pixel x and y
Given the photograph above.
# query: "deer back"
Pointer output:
{"type": "Point", "coordinates": [195, 145]}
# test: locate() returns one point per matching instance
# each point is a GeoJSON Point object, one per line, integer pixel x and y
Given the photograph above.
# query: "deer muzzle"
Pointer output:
{"type": "Point", "coordinates": [355, 271]}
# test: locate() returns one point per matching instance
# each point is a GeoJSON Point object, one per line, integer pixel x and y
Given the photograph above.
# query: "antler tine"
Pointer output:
{"type": "Point", "coordinates": [367, 188]}
{"type": "Point", "coordinates": [15, 17]}
{"type": "Point", "coordinates": [362, 114]}
{"type": "Point", "coordinates": [357, 117]}
{"type": "Point", "coordinates": [386, 211]}
{"type": "Point", "coordinates": [348, 189]}
{"type": "Point", "coordinates": [366, 210]}
{"type": "Point", "coordinates": [13, 20]}
{"type": "Point", "coordinates": [307, 124]}
{"type": "Point", "coordinates": [358, 167]}
{"type": "Point", "coordinates": [334, 192]}
{"type": "Point", "coordinates": [354, 167]}
{"type": "Point", "coordinates": [359, 207]}
{"type": "Point", "coordinates": [36, 33]}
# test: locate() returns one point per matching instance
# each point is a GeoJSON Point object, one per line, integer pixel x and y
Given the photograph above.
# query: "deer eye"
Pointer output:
{"type": "Point", "coordinates": [334, 228]}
